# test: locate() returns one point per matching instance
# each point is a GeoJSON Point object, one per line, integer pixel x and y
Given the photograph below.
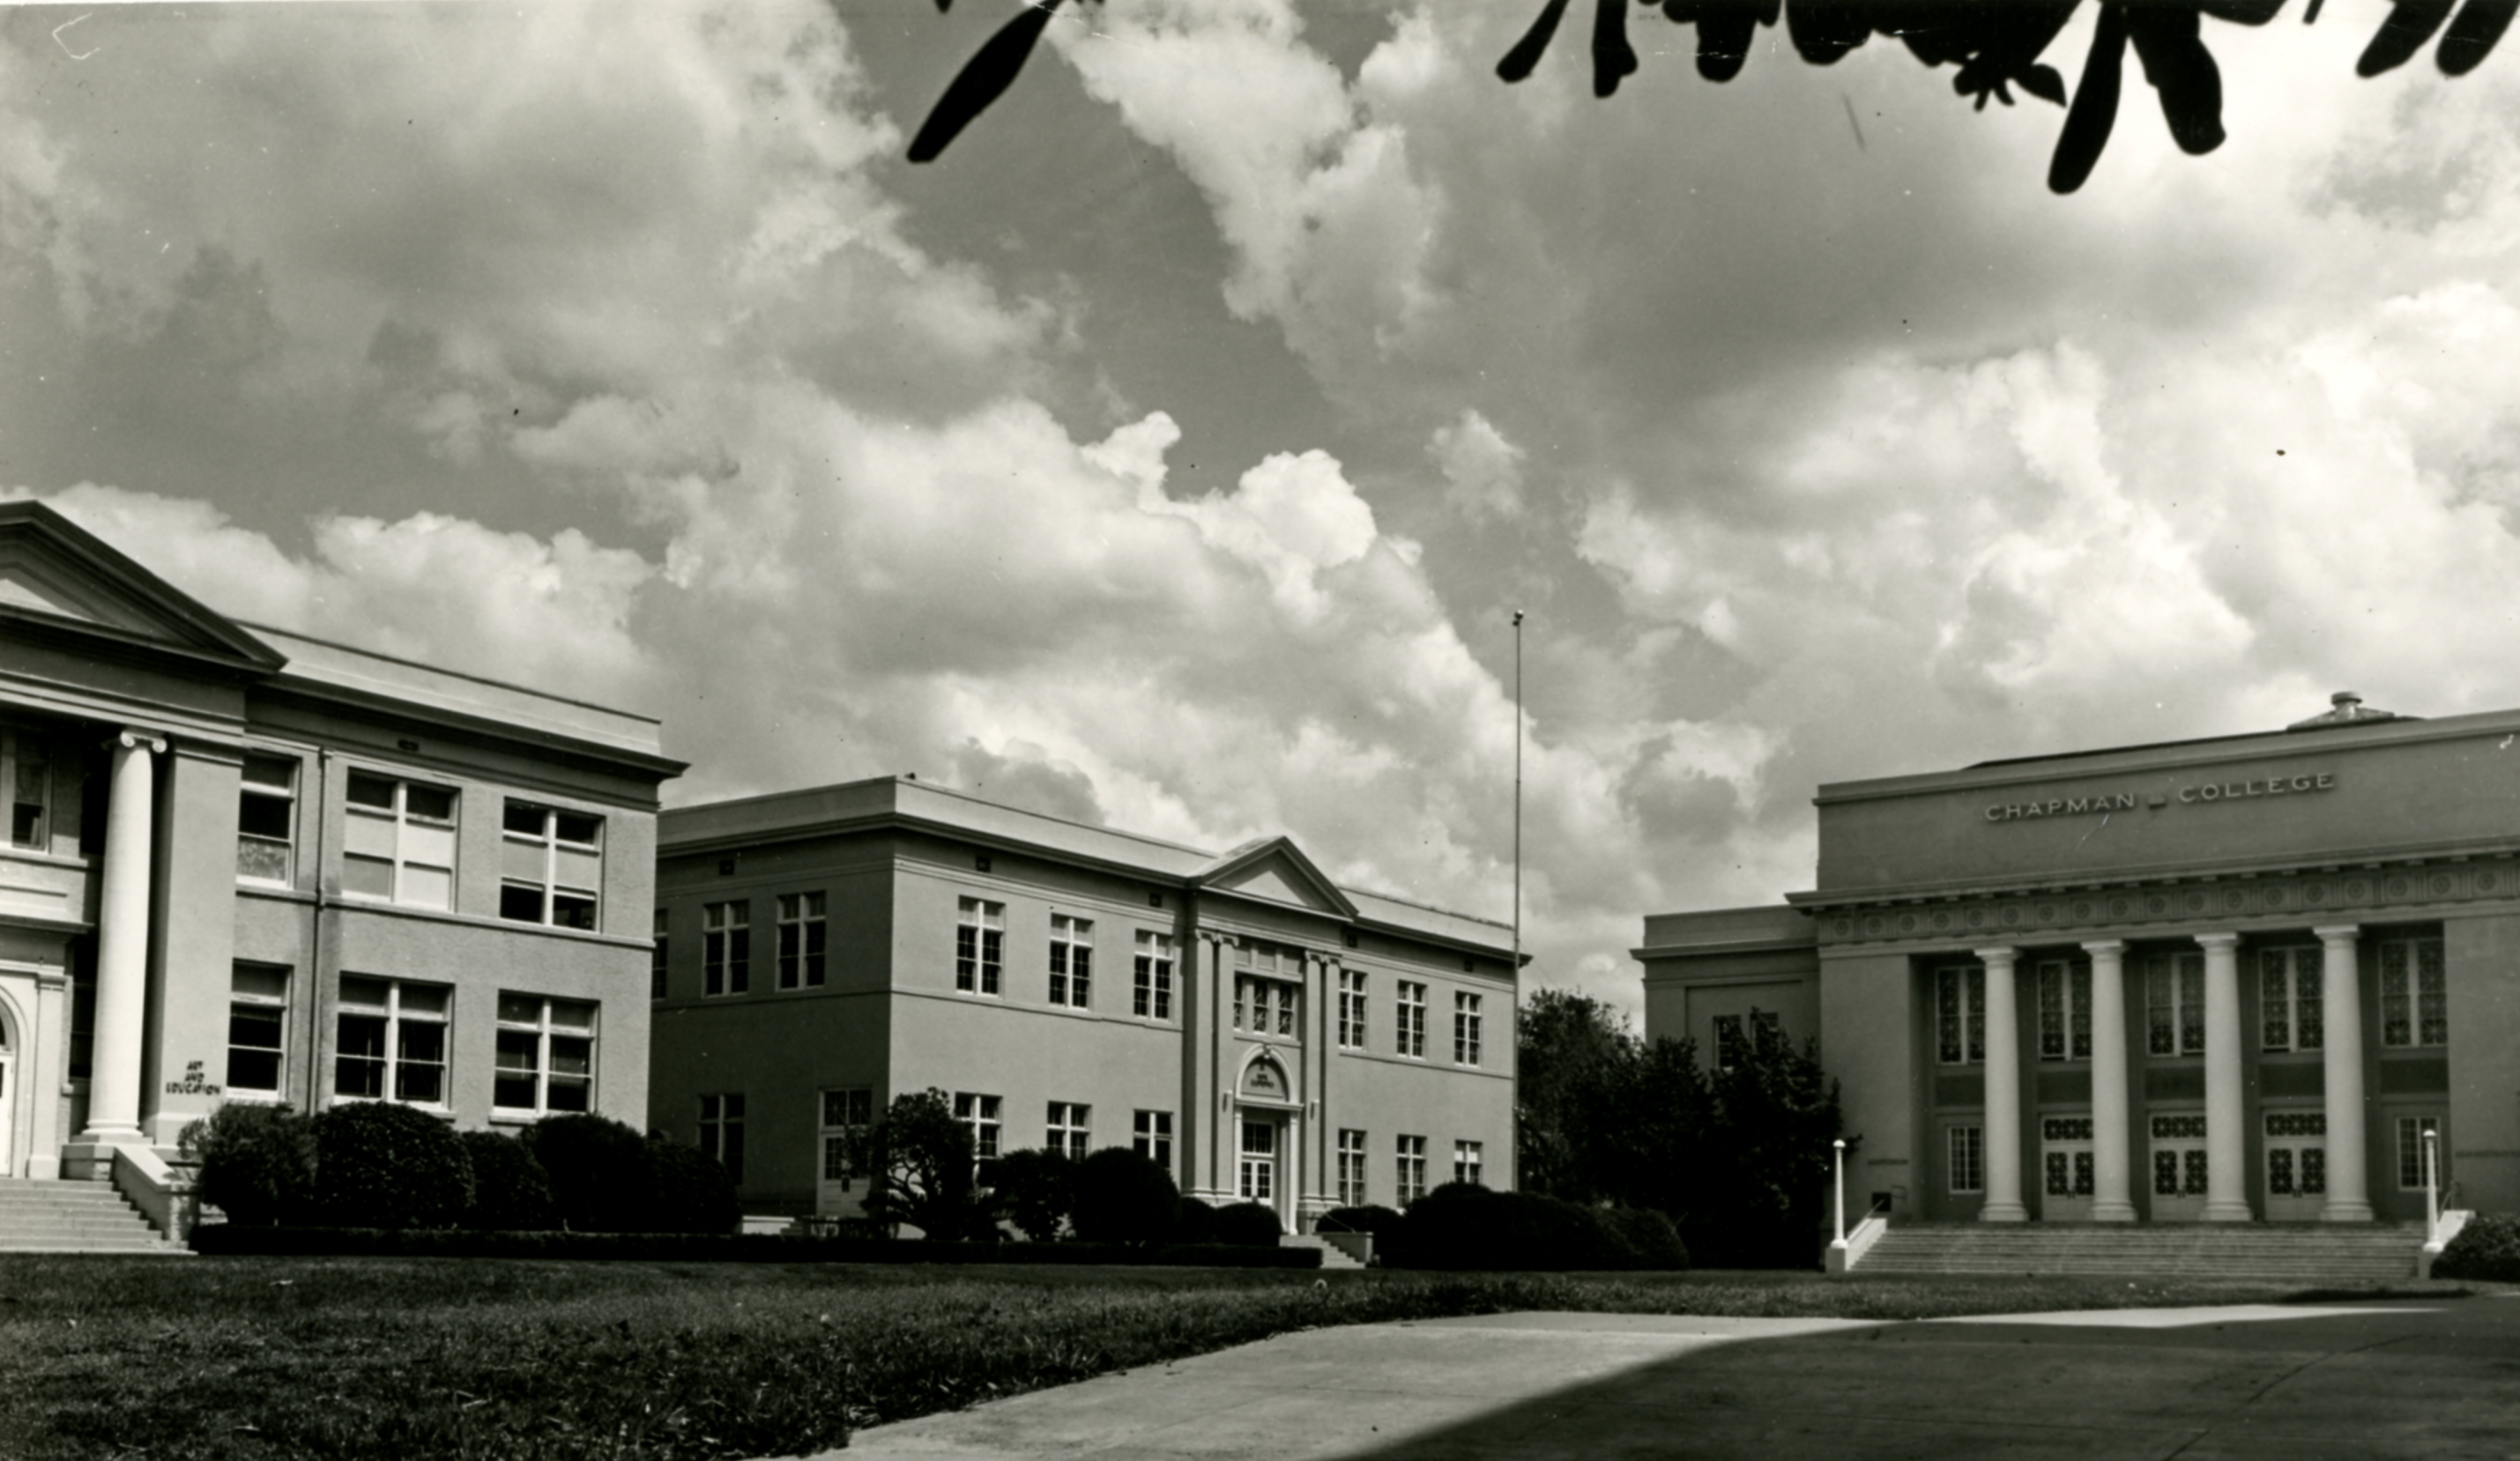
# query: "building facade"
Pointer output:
{"type": "Point", "coordinates": [246, 865]}
{"type": "Point", "coordinates": [2214, 981]}
{"type": "Point", "coordinates": [1260, 1031]}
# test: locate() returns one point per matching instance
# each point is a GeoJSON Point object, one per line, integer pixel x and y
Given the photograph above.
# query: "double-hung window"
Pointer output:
{"type": "Point", "coordinates": [979, 946]}
{"type": "Point", "coordinates": [266, 817]}
{"type": "Point", "coordinates": [846, 1114]}
{"type": "Point", "coordinates": [657, 966]}
{"type": "Point", "coordinates": [1152, 998]}
{"type": "Point", "coordinates": [1967, 1158]}
{"type": "Point", "coordinates": [550, 865]}
{"type": "Point", "coordinates": [2064, 1008]}
{"type": "Point", "coordinates": [1351, 1168]}
{"type": "Point", "coordinates": [2173, 1004]}
{"type": "Point", "coordinates": [546, 1059]}
{"type": "Point", "coordinates": [1351, 1010]}
{"type": "Point", "coordinates": [31, 789]}
{"type": "Point", "coordinates": [258, 1029]}
{"type": "Point", "coordinates": [1465, 1161]}
{"type": "Point", "coordinates": [1068, 1129]}
{"type": "Point", "coordinates": [1409, 1032]}
{"type": "Point", "coordinates": [981, 1114]}
{"type": "Point", "coordinates": [390, 1040]}
{"type": "Point", "coordinates": [398, 842]}
{"type": "Point", "coordinates": [2414, 993]}
{"type": "Point", "coordinates": [1960, 1015]}
{"type": "Point", "coordinates": [801, 932]}
{"type": "Point", "coordinates": [1466, 1029]}
{"type": "Point", "coordinates": [722, 1131]}
{"type": "Point", "coordinates": [1264, 1006]}
{"type": "Point", "coordinates": [2410, 1153]}
{"type": "Point", "coordinates": [1411, 1175]}
{"type": "Point", "coordinates": [725, 947]}
{"type": "Point", "coordinates": [1153, 1138]}
{"type": "Point", "coordinates": [1071, 960]}
{"type": "Point", "coordinates": [2290, 1014]}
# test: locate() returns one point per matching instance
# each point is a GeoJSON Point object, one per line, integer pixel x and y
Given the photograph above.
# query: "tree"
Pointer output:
{"type": "Point", "coordinates": [1575, 1061]}
{"type": "Point", "coordinates": [257, 1163]}
{"type": "Point", "coordinates": [1776, 1113]}
{"type": "Point", "coordinates": [1994, 44]}
{"type": "Point", "coordinates": [922, 1158]}
{"type": "Point", "coordinates": [1035, 1190]}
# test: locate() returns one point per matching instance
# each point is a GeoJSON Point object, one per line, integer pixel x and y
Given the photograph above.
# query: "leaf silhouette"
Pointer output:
{"type": "Point", "coordinates": [2095, 104]}
{"type": "Point", "coordinates": [982, 79]}
{"type": "Point", "coordinates": [1526, 53]}
{"type": "Point", "coordinates": [2182, 71]}
{"type": "Point", "coordinates": [1724, 36]}
{"type": "Point", "coordinates": [1612, 56]}
{"type": "Point", "coordinates": [1825, 33]}
{"type": "Point", "coordinates": [2408, 26]}
{"type": "Point", "coordinates": [2471, 37]}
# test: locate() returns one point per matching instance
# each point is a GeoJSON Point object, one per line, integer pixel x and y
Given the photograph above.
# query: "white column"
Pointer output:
{"type": "Point", "coordinates": [2340, 1005]}
{"type": "Point", "coordinates": [2111, 1199]}
{"type": "Point", "coordinates": [2003, 1092]}
{"type": "Point", "coordinates": [122, 943]}
{"type": "Point", "coordinates": [2226, 1123]}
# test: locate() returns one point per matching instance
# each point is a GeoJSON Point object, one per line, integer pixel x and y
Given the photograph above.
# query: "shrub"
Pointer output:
{"type": "Point", "coordinates": [1034, 1190]}
{"type": "Point", "coordinates": [1462, 1225]}
{"type": "Point", "coordinates": [1123, 1197]}
{"type": "Point", "coordinates": [509, 1190]}
{"type": "Point", "coordinates": [1372, 1218]}
{"type": "Point", "coordinates": [687, 1191]}
{"type": "Point", "coordinates": [1193, 1221]}
{"type": "Point", "coordinates": [1248, 1223]}
{"type": "Point", "coordinates": [382, 1164]}
{"type": "Point", "coordinates": [2488, 1248]}
{"type": "Point", "coordinates": [598, 1170]}
{"type": "Point", "coordinates": [1650, 1235]}
{"type": "Point", "coordinates": [257, 1163]}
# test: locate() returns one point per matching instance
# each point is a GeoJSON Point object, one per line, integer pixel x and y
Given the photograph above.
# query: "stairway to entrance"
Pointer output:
{"type": "Point", "coordinates": [52, 1216]}
{"type": "Point", "coordinates": [2284, 1252]}
{"type": "Point", "coordinates": [1331, 1257]}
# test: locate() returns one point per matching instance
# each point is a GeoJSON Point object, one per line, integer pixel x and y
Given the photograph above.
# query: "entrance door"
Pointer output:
{"type": "Point", "coordinates": [2065, 1165]}
{"type": "Point", "coordinates": [2296, 1165]}
{"type": "Point", "coordinates": [2178, 1168]}
{"type": "Point", "coordinates": [1257, 1175]}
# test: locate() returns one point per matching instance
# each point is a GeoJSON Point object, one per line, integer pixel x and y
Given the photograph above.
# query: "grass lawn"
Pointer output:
{"type": "Point", "coordinates": [420, 1358]}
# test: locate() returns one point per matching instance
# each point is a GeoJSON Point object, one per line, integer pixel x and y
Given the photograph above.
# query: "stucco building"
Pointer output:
{"type": "Point", "coordinates": [2217, 980]}
{"type": "Point", "coordinates": [247, 865]}
{"type": "Point", "coordinates": [1262, 1032]}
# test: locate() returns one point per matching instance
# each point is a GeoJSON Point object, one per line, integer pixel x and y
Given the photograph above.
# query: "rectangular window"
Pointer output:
{"type": "Point", "coordinates": [656, 965]}
{"type": "Point", "coordinates": [2411, 1152]}
{"type": "Point", "coordinates": [2289, 1013]}
{"type": "Point", "coordinates": [1466, 1029]}
{"type": "Point", "coordinates": [1256, 1173]}
{"type": "Point", "coordinates": [1068, 1129]}
{"type": "Point", "coordinates": [1465, 1161]}
{"type": "Point", "coordinates": [1351, 1168]}
{"type": "Point", "coordinates": [266, 817]}
{"type": "Point", "coordinates": [979, 946]}
{"type": "Point", "coordinates": [257, 1026]}
{"type": "Point", "coordinates": [1408, 1004]}
{"type": "Point", "coordinates": [981, 1114]}
{"type": "Point", "coordinates": [1071, 961]}
{"type": "Point", "coordinates": [2064, 1008]}
{"type": "Point", "coordinates": [1351, 1010]}
{"type": "Point", "coordinates": [1960, 1015]}
{"type": "Point", "coordinates": [2174, 1004]}
{"type": "Point", "coordinates": [722, 1131]}
{"type": "Point", "coordinates": [1730, 1050]}
{"type": "Point", "coordinates": [1412, 1169]}
{"type": "Point", "coordinates": [550, 865]}
{"type": "Point", "coordinates": [1271, 1004]}
{"type": "Point", "coordinates": [800, 939]}
{"type": "Point", "coordinates": [398, 842]}
{"type": "Point", "coordinates": [1767, 1033]}
{"type": "Point", "coordinates": [390, 1040]}
{"type": "Point", "coordinates": [725, 947]}
{"type": "Point", "coordinates": [1154, 995]}
{"type": "Point", "coordinates": [31, 789]}
{"type": "Point", "coordinates": [1153, 1138]}
{"type": "Point", "coordinates": [2414, 993]}
{"type": "Point", "coordinates": [846, 1114]}
{"type": "Point", "coordinates": [546, 1055]}
{"type": "Point", "coordinates": [1968, 1159]}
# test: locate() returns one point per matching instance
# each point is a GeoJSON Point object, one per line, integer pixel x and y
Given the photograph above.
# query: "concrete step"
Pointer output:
{"type": "Point", "coordinates": [1331, 1256]}
{"type": "Point", "coordinates": [2278, 1252]}
{"type": "Point", "coordinates": [70, 1217]}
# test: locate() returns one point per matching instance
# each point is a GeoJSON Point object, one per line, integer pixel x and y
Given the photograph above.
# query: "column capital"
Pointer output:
{"type": "Point", "coordinates": [1217, 936]}
{"type": "Point", "coordinates": [2104, 946]}
{"type": "Point", "coordinates": [2217, 940]}
{"type": "Point", "coordinates": [2337, 933]}
{"type": "Point", "coordinates": [134, 739]}
{"type": "Point", "coordinates": [2000, 954]}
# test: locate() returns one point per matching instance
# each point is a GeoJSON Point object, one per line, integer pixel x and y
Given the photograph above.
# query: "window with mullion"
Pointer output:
{"type": "Point", "coordinates": [546, 1055]}
{"type": "Point", "coordinates": [266, 817]}
{"type": "Point", "coordinates": [1152, 996]}
{"type": "Point", "coordinates": [257, 1029]}
{"type": "Point", "coordinates": [1152, 1137]}
{"type": "Point", "coordinates": [1960, 1015]}
{"type": "Point", "coordinates": [2174, 1001]}
{"type": "Point", "coordinates": [1351, 1168]}
{"type": "Point", "coordinates": [979, 946]}
{"type": "Point", "coordinates": [550, 865]}
{"type": "Point", "coordinates": [846, 1114]}
{"type": "Point", "coordinates": [2415, 995]}
{"type": "Point", "coordinates": [801, 956]}
{"type": "Point", "coordinates": [2290, 1016]}
{"type": "Point", "coordinates": [1071, 960]}
{"type": "Point", "coordinates": [1410, 1164]}
{"type": "Point", "coordinates": [981, 1114]}
{"type": "Point", "coordinates": [2065, 1009]}
{"type": "Point", "coordinates": [1351, 1010]}
{"type": "Point", "coordinates": [29, 758]}
{"type": "Point", "coordinates": [390, 1040]}
{"type": "Point", "coordinates": [722, 1131]}
{"type": "Point", "coordinates": [398, 842]}
{"type": "Point", "coordinates": [1466, 1029]}
{"type": "Point", "coordinates": [1409, 1005]}
{"type": "Point", "coordinates": [1068, 1129]}
{"type": "Point", "coordinates": [725, 947]}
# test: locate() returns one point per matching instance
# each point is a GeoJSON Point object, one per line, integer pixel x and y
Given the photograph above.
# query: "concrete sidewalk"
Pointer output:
{"type": "Point", "coordinates": [2427, 1378]}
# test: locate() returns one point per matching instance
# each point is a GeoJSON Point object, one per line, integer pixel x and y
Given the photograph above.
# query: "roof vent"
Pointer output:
{"type": "Point", "coordinates": [2345, 708]}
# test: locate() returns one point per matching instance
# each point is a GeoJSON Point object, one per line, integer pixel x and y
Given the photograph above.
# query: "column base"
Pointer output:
{"type": "Point", "coordinates": [2228, 1211]}
{"type": "Point", "coordinates": [2345, 1211]}
{"type": "Point", "coordinates": [2112, 1212]}
{"type": "Point", "coordinates": [2003, 1212]}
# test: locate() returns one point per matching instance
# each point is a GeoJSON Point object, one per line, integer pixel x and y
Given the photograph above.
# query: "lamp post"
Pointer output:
{"type": "Point", "coordinates": [1837, 1161]}
{"type": "Point", "coordinates": [2432, 1185]}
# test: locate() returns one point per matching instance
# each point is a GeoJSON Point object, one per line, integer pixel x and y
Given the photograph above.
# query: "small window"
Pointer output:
{"type": "Point", "coordinates": [1730, 1050]}
{"type": "Point", "coordinates": [390, 1040]}
{"type": "Point", "coordinates": [1351, 1168]}
{"type": "Point", "coordinates": [981, 1114]}
{"type": "Point", "coordinates": [2410, 1153]}
{"type": "Point", "coordinates": [1068, 1129]}
{"type": "Point", "coordinates": [801, 940]}
{"type": "Point", "coordinates": [1071, 961]}
{"type": "Point", "coordinates": [979, 946]}
{"type": "Point", "coordinates": [657, 964]}
{"type": "Point", "coordinates": [1410, 1033]}
{"type": "Point", "coordinates": [2173, 1004]}
{"type": "Point", "coordinates": [550, 865]}
{"type": "Point", "coordinates": [1411, 1176]}
{"type": "Point", "coordinates": [398, 842]}
{"type": "Point", "coordinates": [722, 1131]}
{"type": "Point", "coordinates": [1152, 1137]}
{"type": "Point", "coordinates": [725, 947]}
{"type": "Point", "coordinates": [1351, 1010]}
{"type": "Point", "coordinates": [2290, 1013]}
{"type": "Point", "coordinates": [1466, 1163]}
{"type": "Point", "coordinates": [29, 764]}
{"type": "Point", "coordinates": [266, 819]}
{"type": "Point", "coordinates": [546, 1057]}
{"type": "Point", "coordinates": [1968, 1159]}
{"type": "Point", "coordinates": [1466, 1029]}
{"type": "Point", "coordinates": [1266, 1007]}
{"type": "Point", "coordinates": [1151, 997]}
{"type": "Point", "coordinates": [258, 1029]}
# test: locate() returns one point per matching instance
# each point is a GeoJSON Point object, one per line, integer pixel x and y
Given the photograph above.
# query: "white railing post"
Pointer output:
{"type": "Point", "coordinates": [2432, 1187]}
{"type": "Point", "coordinates": [1838, 1160]}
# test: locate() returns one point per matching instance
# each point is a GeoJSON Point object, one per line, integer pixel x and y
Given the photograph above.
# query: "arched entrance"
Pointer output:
{"type": "Point", "coordinates": [1264, 1139]}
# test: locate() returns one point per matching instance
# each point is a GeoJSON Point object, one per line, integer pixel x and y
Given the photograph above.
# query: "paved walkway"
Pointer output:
{"type": "Point", "coordinates": [2430, 1378]}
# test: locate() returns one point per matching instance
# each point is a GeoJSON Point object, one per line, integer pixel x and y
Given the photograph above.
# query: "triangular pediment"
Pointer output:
{"type": "Point", "coordinates": [57, 575]}
{"type": "Point", "coordinates": [1275, 870]}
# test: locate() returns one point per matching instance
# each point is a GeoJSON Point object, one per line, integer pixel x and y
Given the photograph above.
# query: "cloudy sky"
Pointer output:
{"type": "Point", "coordinates": [1173, 453]}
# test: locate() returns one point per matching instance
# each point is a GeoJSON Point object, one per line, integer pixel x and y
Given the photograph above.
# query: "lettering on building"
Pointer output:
{"type": "Point", "coordinates": [2210, 793]}
{"type": "Point", "coordinates": [193, 1084]}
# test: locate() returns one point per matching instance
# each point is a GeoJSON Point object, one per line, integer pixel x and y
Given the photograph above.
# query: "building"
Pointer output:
{"type": "Point", "coordinates": [246, 865]}
{"type": "Point", "coordinates": [2215, 980]}
{"type": "Point", "coordinates": [1260, 1031]}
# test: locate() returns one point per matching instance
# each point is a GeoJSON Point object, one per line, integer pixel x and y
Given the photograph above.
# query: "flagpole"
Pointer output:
{"type": "Point", "coordinates": [1517, 795]}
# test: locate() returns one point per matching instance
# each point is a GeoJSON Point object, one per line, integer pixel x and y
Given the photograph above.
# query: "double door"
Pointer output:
{"type": "Point", "coordinates": [2296, 1162]}
{"type": "Point", "coordinates": [2177, 1154]}
{"type": "Point", "coordinates": [2065, 1166]}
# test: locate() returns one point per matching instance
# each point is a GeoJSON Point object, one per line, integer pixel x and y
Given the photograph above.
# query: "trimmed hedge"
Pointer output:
{"type": "Point", "coordinates": [509, 1187]}
{"type": "Point", "coordinates": [1372, 1218]}
{"type": "Point", "coordinates": [2488, 1248]}
{"type": "Point", "coordinates": [1461, 1225]}
{"type": "Point", "coordinates": [1118, 1196]}
{"type": "Point", "coordinates": [598, 1171]}
{"type": "Point", "coordinates": [230, 1240]}
{"type": "Point", "coordinates": [382, 1164]}
{"type": "Point", "coordinates": [257, 1163]}
{"type": "Point", "coordinates": [1248, 1222]}
{"type": "Point", "coordinates": [1195, 1221]}
{"type": "Point", "coordinates": [689, 1191]}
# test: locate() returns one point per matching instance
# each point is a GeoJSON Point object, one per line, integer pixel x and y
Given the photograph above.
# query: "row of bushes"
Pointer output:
{"type": "Point", "coordinates": [234, 1240]}
{"type": "Point", "coordinates": [377, 1164]}
{"type": "Point", "coordinates": [1461, 1225]}
{"type": "Point", "coordinates": [2488, 1248]}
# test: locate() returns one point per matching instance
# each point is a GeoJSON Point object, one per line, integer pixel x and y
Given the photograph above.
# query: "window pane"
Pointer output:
{"type": "Point", "coordinates": [425, 998]}
{"type": "Point", "coordinates": [254, 1070]}
{"type": "Point", "coordinates": [261, 984]}
{"type": "Point", "coordinates": [436, 803]}
{"type": "Point", "coordinates": [576, 826]}
{"type": "Point", "coordinates": [571, 1057]}
{"type": "Point", "coordinates": [572, 1014]}
{"type": "Point", "coordinates": [264, 816]}
{"type": "Point", "coordinates": [521, 904]}
{"type": "Point", "coordinates": [523, 817]}
{"type": "Point", "coordinates": [572, 910]}
{"type": "Point", "coordinates": [520, 1009]}
{"type": "Point", "coordinates": [270, 771]}
{"type": "Point", "coordinates": [427, 887]}
{"type": "Point", "coordinates": [365, 992]}
{"type": "Point", "coordinates": [371, 791]}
